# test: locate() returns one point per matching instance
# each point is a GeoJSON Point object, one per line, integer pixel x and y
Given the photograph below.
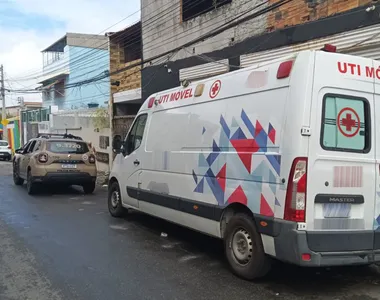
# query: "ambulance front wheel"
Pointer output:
{"type": "Point", "coordinates": [115, 207]}
{"type": "Point", "coordinates": [244, 248]}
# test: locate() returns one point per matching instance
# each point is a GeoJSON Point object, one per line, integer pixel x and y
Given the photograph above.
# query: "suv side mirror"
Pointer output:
{"type": "Point", "coordinates": [117, 144]}
{"type": "Point", "coordinates": [19, 151]}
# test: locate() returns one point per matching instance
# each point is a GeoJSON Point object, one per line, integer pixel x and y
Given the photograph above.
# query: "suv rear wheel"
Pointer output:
{"type": "Point", "coordinates": [31, 186]}
{"type": "Point", "coordinates": [89, 188]}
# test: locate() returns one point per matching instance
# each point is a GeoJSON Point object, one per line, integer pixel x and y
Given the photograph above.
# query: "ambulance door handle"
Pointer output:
{"type": "Point", "coordinates": [136, 162]}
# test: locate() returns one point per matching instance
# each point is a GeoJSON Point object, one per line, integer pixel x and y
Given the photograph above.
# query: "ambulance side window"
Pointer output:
{"type": "Point", "coordinates": [134, 139]}
{"type": "Point", "coordinates": [345, 124]}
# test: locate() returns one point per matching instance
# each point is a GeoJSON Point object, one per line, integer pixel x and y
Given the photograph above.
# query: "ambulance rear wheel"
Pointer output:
{"type": "Point", "coordinates": [244, 248]}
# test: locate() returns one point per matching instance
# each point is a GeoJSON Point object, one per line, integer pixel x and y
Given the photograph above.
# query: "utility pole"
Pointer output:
{"type": "Point", "coordinates": [4, 113]}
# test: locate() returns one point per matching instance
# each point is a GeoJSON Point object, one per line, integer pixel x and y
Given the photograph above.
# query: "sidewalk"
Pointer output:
{"type": "Point", "coordinates": [102, 178]}
{"type": "Point", "coordinates": [19, 275]}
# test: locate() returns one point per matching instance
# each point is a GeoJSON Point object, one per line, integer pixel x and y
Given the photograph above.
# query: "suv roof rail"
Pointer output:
{"type": "Point", "coordinates": [64, 136]}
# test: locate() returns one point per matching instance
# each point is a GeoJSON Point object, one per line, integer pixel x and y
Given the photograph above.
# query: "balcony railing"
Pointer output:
{"type": "Point", "coordinates": [55, 64]}
{"type": "Point", "coordinates": [51, 57]}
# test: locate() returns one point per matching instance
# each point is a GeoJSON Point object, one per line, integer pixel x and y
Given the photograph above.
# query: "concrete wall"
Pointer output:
{"type": "Point", "coordinates": [296, 22]}
{"type": "Point", "coordinates": [163, 29]}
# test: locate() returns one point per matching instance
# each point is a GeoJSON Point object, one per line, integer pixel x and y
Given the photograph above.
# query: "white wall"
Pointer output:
{"type": "Point", "coordinates": [162, 29]}
{"type": "Point", "coordinates": [82, 125]}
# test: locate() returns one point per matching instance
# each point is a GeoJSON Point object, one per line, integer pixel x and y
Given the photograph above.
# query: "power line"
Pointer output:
{"type": "Point", "coordinates": [120, 39]}
{"type": "Point", "coordinates": [87, 50]}
{"type": "Point", "coordinates": [104, 30]}
{"type": "Point", "coordinates": [3, 111]}
{"type": "Point", "coordinates": [232, 23]}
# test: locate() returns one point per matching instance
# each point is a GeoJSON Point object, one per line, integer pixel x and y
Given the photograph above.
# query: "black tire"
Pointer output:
{"type": "Point", "coordinates": [89, 188]}
{"type": "Point", "coordinates": [115, 207]}
{"type": "Point", "coordinates": [31, 186]}
{"type": "Point", "coordinates": [16, 177]}
{"type": "Point", "coordinates": [251, 262]}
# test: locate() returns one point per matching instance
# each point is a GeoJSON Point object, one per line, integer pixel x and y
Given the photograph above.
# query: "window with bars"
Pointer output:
{"type": "Point", "coordinates": [192, 9]}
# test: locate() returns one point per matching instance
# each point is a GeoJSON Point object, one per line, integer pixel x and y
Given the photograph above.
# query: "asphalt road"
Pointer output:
{"type": "Point", "coordinates": [63, 245]}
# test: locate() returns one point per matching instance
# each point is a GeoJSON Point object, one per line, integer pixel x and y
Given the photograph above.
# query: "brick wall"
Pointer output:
{"type": "Point", "coordinates": [301, 11]}
{"type": "Point", "coordinates": [129, 79]}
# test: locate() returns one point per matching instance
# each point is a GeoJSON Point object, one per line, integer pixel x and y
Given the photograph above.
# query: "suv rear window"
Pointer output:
{"type": "Point", "coordinates": [345, 124]}
{"type": "Point", "coordinates": [67, 147]}
{"type": "Point", "coordinates": [2, 143]}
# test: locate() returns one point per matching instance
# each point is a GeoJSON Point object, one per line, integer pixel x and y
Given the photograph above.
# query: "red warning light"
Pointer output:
{"type": "Point", "coordinates": [329, 48]}
{"type": "Point", "coordinates": [151, 102]}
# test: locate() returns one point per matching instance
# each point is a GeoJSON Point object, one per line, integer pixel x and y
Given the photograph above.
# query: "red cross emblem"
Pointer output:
{"type": "Point", "coordinates": [348, 122]}
{"type": "Point", "coordinates": [215, 89]}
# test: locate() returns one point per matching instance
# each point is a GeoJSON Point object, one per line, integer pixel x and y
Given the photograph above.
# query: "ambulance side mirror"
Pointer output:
{"type": "Point", "coordinates": [117, 144]}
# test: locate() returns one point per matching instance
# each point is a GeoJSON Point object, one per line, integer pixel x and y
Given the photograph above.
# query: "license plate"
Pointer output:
{"type": "Point", "coordinates": [69, 166]}
{"type": "Point", "coordinates": [337, 210]}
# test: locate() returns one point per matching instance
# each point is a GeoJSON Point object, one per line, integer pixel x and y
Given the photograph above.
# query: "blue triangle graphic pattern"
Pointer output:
{"type": "Point", "coordinates": [225, 127]}
{"type": "Point", "coordinates": [266, 167]}
{"type": "Point", "coordinates": [200, 187]}
{"type": "Point", "coordinates": [238, 135]}
{"type": "Point", "coordinates": [202, 162]}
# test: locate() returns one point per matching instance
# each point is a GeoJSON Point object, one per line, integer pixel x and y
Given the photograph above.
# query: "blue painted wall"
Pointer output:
{"type": "Point", "coordinates": [86, 63]}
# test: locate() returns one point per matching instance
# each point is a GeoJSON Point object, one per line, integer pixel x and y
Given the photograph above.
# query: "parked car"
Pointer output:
{"type": "Point", "coordinates": [5, 150]}
{"type": "Point", "coordinates": [54, 159]}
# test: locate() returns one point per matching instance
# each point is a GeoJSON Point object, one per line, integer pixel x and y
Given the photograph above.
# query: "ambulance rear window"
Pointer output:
{"type": "Point", "coordinates": [67, 147]}
{"type": "Point", "coordinates": [345, 124]}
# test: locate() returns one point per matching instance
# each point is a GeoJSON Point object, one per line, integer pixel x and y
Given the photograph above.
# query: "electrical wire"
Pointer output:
{"type": "Point", "coordinates": [72, 63]}
{"type": "Point", "coordinates": [239, 54]}
{"type": "Point", "coordinates": [116, 72]}
{"type": "Point", "coordinates": [138, 11]}
{"type": "Point", "coordinates": [87, 51]}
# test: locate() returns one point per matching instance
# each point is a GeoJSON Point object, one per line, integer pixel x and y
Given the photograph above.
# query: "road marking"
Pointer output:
{"type": "Point", "coordinates": [170, 245]}
{"type": "Point", "coordinates": [188, 257]}
{"type": "Point", "coordinates": [119, 227]}
{"type": "Point", "coordinates": [88, 203]}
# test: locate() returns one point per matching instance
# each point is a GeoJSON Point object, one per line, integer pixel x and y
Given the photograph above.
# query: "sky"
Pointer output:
{"type": "Point", "coordinates": [29, 26]}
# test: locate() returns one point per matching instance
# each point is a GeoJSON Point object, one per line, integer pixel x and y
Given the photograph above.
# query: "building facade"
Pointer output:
{"type": "Point", "coordinates": [16, 110]}
{"type": "Point", "coordinates": [125, 52]}
{"type": "Point", "coordinates": [75, 72]}
{"type": "Point", "coordinates": [243, 37]}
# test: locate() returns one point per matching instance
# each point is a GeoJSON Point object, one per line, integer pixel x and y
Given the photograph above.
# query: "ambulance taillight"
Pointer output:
{"type": "Point", "coordinates": [295, 203]}
{"type": "Point", "coordinates": [284, 69]}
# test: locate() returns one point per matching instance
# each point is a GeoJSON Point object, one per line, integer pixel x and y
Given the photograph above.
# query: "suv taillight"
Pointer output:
{"type": "Point", "coordinates": [91, 159]}
{"type": "Point", "coordinates": [43, 158]}
{"type": "Point", "coordinates": [295, 203]}
{"type": "Point", "coordinates": [9, 147]}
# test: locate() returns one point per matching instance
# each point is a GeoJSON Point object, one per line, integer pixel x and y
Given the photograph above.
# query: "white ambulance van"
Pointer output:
{"type": "Point", "coordinates": [279, 160]}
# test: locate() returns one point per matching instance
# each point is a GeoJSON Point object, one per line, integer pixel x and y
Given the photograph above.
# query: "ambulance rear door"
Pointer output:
{"type": "Point", "coordinates": [341, 161]}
